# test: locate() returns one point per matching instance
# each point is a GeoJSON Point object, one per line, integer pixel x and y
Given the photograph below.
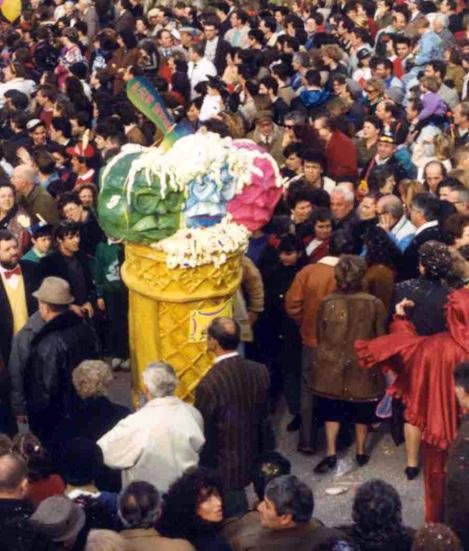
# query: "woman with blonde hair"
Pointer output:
{"type": "Point", "coordinates": [94, 414]}
{"type": "Point", "coordinates": [434, 148]}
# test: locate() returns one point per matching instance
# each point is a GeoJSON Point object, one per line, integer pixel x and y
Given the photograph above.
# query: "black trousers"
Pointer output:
{"type": "Point", "coordinates": [308, 429]}
{"type": "Point", "coordinates": [117, 324]}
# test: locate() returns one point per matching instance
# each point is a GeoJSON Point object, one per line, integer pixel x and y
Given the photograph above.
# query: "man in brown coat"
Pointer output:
{"type": "Point", "coordinates": [457, 471]}
{"type": "Point", "coordinates": [36, 201]}
{"type": "Point", "coordinates": [233, 398]}
{"type": "Point", "coordinates": [310, 286]}
{"type": "Point", "coordinates": [268, 135]}
{"type": "Point", "coordinates": [284, 521]}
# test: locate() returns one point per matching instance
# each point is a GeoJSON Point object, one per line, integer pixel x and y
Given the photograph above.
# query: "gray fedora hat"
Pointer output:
{"type": "Point", "coordinates": [54, 290]}
{"type": "Point", "coordinates": [59, 518]}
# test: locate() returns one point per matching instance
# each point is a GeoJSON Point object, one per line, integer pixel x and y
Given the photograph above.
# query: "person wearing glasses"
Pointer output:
{"type": "Point", "coordinates": [392, 219]}
{"type": "Point", "coordinates": [268, 135]}
{"type": "Point", "coordinates": [374, 93]}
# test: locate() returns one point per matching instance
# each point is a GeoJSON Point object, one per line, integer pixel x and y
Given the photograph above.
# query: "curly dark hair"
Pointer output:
{"type": "Point", "coordinates": [377, 515]}
{"type": "Point", "coordinates": [179, 518]}
{"type": "Point", "coordinates": [435, 257]}
{"type": "Point", "coordinates": [380, 249]}
{"type": "Point", "coordinates": [349, 273]}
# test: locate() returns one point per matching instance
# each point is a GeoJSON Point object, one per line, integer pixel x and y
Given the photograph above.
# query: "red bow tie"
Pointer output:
{"type": "Point", "coordinates": [10, 273]}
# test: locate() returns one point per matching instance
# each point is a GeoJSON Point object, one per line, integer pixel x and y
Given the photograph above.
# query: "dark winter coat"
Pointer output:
{"type": "Point", "coordinates": [54, 264]}
{"type": "Point", "coordinates": [278, 329]}
{"type": "Point", "coordinates": [430, 297]}
{"type": "Point", "coordinates": [91, 419]}
{"type": "Point", "coordinates": [16, 531]}
{"type": "Point", "coordinates": [56, 350]}
{"type": "Point", "coordinates": [408, 266]}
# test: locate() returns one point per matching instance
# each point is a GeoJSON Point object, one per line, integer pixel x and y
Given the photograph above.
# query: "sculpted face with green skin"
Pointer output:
{"type": "Point", "coordinates": [140, 215]}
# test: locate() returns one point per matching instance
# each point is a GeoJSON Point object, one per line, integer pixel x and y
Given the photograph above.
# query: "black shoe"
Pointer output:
{"type": "Point", "coordinates": [362, 459]}
{"type": "Point", "coordinates": [294, 424]}
{"type": "Point", "coordinates": [412, 472]}
{"type": "Point", "coordinates": [326, 464]}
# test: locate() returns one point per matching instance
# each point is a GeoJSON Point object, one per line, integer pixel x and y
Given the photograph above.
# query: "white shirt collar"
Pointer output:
{"type": "Point", "coordinates": [399, 224]}
{"type": "Point", "coordinates": [163, 400]}
{"type": "Point", "coordinates": [11, 281]}
{"type": "Point", "coordinates": [313, 245]}
{"type": "Point", "coordinates": [225, 356]}
{"type": "Point", "coordinates": [329, 261]}
{"type": "Point", "coordinates": [427, 225]}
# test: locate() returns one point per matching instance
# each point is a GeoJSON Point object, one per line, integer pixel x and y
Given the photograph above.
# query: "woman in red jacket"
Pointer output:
{"type": "Point", "coordinates": [425, 385]}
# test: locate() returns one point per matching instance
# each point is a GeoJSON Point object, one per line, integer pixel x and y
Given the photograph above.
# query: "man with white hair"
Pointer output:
{"type": "Point", "coordinates": [440, 26]}
{"type": "Point", "coordinates": [161, 440]}
{"type": "Point", "coordinates": [36, 201]}
{"type": "Point", "coordinates": [342, 207]}
{"type": "Point", "coordinates": [89, 15]}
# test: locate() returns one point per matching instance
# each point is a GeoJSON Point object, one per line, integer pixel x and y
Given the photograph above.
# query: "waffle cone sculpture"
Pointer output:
{"type": "Point", "coordinates": [167, 310]}
{"type": "Point", "coordinates": [185, 216]}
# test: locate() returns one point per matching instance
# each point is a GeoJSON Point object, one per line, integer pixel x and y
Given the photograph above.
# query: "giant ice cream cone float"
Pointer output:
{"type": "Point", "coordinates": [170, 309]}
{"type": "Point", "coordinates": [184, 213]}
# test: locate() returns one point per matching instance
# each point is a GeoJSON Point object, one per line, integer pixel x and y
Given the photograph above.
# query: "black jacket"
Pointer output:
{"type": "Point", "coordinates": [54, 264]}
{"type": "Point", "coordinates": [279, 109]}
{"type": "Point", "coordinates": [90, 419]}
{"type": "Point", "coordinates": [276, 330]}
{"type": "Point", "coordinates": [430, 298]}
{"type": "Point", "coordinates": [223, 47]}
{"type": "Point", "coordinates": [16, 531]}
{"type": "Point", "coordinates": [31, 284]}
{"type": "Point", "coordinates": [91, 235]}
{"type": "Point", "coordinates": [408, 267]}
{"type": "Point", "coordinates": [394, 541]}
{"type": "Point", "coordinates": [56, 350]}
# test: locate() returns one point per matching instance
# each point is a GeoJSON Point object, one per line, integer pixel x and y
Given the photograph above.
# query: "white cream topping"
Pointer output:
{"type": "Point", "coordinates": [189, 248]}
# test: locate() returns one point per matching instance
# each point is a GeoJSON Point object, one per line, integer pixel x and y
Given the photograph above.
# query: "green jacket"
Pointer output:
{"type": "Point", "coordinates": [107, 269]}
{"type": "Point", "coordinates": [32, 256]}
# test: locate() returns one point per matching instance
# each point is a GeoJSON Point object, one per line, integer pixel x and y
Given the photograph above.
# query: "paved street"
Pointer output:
{"type": "Point", "coordinates": [387, 462]}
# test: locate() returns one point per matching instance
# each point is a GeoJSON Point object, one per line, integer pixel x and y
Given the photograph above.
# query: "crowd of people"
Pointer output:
{"type": "Point", "coordinates": [354, 303]}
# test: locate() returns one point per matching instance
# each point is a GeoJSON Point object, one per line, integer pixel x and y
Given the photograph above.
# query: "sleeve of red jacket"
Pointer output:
{"type": "Point", "coordinates": [343, 157]}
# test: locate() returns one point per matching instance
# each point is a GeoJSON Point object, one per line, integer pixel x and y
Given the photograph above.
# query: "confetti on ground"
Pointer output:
{"type": "Point", "coordinates": [337, 490]}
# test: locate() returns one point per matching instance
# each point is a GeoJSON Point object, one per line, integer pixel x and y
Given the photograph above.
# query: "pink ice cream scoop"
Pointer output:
{"type": "Point", "coordinates": [254, 206]}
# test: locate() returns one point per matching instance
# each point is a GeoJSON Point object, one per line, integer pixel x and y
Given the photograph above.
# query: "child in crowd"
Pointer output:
{"type": "Point", "coordinates": [41, 237]}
